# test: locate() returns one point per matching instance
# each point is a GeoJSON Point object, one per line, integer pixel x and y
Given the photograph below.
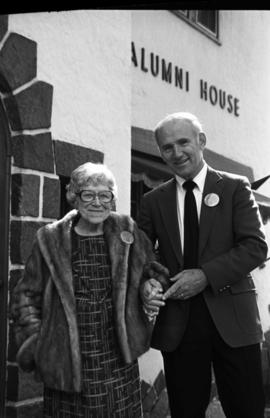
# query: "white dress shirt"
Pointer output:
{"type": "Point", "coordinates": [198, 191]}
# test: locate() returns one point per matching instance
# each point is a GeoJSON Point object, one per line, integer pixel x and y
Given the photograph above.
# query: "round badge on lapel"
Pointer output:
{"type": "Point", "coordinates": [127, 237]}
{"type": "Point", "coordinates": [211, 199]}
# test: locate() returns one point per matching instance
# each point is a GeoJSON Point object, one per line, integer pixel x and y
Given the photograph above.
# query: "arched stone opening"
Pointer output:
{"type": "Point", "coordinates": [37, 167]}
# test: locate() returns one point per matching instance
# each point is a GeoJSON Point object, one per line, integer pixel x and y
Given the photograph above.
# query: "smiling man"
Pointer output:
{"type": "Point", "coordinates": [210, 237]}
{"type": "Point", "coordinates": [181, 143]}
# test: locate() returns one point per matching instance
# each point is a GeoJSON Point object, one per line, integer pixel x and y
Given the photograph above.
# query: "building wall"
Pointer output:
{"type": "Point", "coordinates": [261, 278]}
{"type": "Point", "coordinates": [98, 96]}
{"type": "Point", "coordinates": [85, 55]}
{"type": "Point", "coordinates": [239, 66]}
{"type": "Point", "coordinates": [65, 85]}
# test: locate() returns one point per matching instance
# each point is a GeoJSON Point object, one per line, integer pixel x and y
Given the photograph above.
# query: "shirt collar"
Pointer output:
{"type": "Point", "coordinates": [199, 179]}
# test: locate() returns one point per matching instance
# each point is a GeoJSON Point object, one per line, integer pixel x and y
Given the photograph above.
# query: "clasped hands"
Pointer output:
{"type": "Point", "coordinates": [185, 284]}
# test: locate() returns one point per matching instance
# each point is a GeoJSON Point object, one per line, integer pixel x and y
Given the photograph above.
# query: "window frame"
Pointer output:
{"type": "Point", "coordinates": [190, 17]}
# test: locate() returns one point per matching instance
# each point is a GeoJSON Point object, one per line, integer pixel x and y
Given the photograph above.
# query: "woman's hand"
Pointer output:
{"type": "Point", "coordinates": [151, 294]}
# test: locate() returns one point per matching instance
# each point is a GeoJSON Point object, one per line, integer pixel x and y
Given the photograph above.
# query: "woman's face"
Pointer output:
{"type": "Point", "coordinates": [93, 203]}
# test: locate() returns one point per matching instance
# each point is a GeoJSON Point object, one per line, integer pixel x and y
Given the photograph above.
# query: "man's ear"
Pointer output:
{"type": "Point", "coordinates": [202, 139]}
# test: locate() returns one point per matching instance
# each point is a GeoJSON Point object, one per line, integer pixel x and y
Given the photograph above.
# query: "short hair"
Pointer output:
{"type": "Point", "coordinates": [89, 173]}
{"type": "Point", "coordinates": [184, 116]}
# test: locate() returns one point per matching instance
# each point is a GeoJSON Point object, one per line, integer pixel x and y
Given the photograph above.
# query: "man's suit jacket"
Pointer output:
{"type": "Point", "coordinates": [231, 245]}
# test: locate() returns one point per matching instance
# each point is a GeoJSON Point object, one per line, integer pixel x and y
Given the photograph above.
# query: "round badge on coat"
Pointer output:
{"type": "Point", "coordinates": [127, 237]}
{"type": "Point", "coordinates": [211, 199]}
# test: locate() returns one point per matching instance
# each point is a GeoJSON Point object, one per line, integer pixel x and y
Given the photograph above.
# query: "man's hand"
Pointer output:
{"type": "Point", "coordinates": [188, 283]}
{"type": "Point", "coordinates": [151, 294]}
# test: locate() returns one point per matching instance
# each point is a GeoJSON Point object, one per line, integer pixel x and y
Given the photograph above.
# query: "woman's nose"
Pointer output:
{"type": "Point", "coordinates": [96, 201]}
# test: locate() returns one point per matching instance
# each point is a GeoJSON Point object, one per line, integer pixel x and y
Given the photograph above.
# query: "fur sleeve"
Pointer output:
{"type": "Point", "coordinates": [152, 268]}
{"type": "Point", "coordinates": [26, 308]}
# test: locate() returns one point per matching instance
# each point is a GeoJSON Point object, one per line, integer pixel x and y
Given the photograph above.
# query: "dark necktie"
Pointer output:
{"type": "Point", "coordinates": [191, 227]}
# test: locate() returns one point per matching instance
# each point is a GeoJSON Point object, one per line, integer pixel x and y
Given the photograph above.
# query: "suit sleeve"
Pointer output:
{"type": "Point", "coordinates": [249, 248]}
{"type": "Point", "coordinates": [145, 220]}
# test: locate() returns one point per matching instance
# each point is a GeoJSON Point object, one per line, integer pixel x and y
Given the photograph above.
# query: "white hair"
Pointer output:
{"type": "Point", "coordinates": [183, 116]}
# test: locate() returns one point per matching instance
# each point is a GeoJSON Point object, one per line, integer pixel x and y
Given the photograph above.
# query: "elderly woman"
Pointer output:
{"type": "Point", "coordinates": [78, 317]}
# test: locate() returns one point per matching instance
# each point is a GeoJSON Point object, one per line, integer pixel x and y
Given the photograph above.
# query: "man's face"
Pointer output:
{"type": "Point", "coordinates": [181, 147]}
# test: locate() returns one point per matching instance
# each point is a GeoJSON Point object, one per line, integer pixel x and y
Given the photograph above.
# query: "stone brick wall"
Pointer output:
{"type": "Point", "coordinates": [38, 162]}
{"type": "Point", "coordinates": [35, 201]}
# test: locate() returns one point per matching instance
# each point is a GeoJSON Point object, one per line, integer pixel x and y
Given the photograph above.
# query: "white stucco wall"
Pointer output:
{"type": "Point", "coordinates": [240, 66]}
{"type": "Point", "coordinates": [85, 55]}
{"type": "Point", "coordinates": [262, 282]}
{"type": "Point", "coordinates": [98, 94]}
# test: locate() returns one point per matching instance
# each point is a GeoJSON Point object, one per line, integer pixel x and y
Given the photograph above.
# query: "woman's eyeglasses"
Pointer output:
{"type": "Point", "coordinates": [88, 196]}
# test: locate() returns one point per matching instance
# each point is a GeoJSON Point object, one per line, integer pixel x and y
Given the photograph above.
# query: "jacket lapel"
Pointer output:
{"type": "Point", "coordinates": [168, 209]}
{"type": "Point", "coordinates": [213, 184]}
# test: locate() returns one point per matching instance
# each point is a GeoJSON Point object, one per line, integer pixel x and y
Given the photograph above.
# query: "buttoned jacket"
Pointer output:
{"type": "Point", "coordinates": [231, 245]}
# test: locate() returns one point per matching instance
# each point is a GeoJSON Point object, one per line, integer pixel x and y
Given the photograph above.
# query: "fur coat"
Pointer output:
{"type": "Point", "coordinates": [44, 308]}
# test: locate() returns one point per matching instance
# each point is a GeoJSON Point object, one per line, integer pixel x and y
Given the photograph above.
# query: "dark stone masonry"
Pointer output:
{"type": "Point", "coordinates": [34, 152]}
{"type": "Point", "coordinates": [25, 195]}
{"type": "Point", "coordinates": [69, 156]}
{"type": "Point", "coordinates": [31, 108]}
{"type": "Point", "coordinates": [51, 198]}
{"type": "Point", "coordinates": [22, 236]}
{"type": "Point", "coordinates": [18, 59]}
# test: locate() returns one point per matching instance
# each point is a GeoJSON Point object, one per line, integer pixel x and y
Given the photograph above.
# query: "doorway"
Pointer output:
{"type": "Point", "coordinates": [4, 234]}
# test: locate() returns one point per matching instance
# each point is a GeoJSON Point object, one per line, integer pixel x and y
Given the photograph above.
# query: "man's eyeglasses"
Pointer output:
{"type": "Point", "coordinates": [88, 196]}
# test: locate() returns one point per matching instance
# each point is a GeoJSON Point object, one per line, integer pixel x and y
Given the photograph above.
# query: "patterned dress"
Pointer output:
{"type": "Point", "coordinates": [111, 389]}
